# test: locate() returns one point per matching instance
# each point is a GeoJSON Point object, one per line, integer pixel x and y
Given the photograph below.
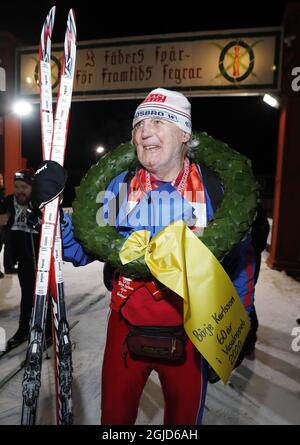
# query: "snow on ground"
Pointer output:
{"type": "Point", "coordinates": [263, 391]}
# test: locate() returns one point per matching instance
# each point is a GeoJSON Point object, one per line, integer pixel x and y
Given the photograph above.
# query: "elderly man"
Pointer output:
{"type": "Point", "coordinates": [162, 135]}
{"type": "Point", "coordinates": [22, 242]}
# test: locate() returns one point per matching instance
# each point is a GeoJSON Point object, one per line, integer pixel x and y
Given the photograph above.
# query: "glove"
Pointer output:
{"type": "Point", "coordinates": [49, 181]}
{"type": "Point", "coordinates": [108, 275]}
{"type": "Point", "coordinates": [34, 218]}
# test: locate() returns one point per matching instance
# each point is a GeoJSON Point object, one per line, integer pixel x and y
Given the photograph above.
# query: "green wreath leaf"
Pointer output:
{"type": "Point", "coordinates": [229, 226]}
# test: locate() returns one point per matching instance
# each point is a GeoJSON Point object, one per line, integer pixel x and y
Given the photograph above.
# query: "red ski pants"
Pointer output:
{"type": "Point", "coordinates": [183, 385]}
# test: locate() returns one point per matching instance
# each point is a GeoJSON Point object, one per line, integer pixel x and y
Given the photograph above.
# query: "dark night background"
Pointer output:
{"type": "Point", "coordinates": [247, 124]}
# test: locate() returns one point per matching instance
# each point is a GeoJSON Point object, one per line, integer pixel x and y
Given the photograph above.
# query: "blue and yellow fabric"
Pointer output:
{"type": "Point", "coordinates": [214, 317]}
{"type": "Point", "coordinates": [214, 314]}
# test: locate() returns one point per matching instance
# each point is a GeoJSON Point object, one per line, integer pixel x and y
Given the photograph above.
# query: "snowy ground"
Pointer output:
{"type": "Point", "coordinates": [263, 391]}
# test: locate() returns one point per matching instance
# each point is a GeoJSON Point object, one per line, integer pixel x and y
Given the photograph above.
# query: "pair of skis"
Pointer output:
{"type": "Point", "coordinates": [49, 278]}
{"type": "Point", "coordinates": [14, 371]}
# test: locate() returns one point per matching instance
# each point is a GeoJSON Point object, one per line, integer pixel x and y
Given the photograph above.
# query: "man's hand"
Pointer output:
{"type": "Point", "coordinates": [34, 218]}
{"type": "Point", "coordinates": [4, 219]}
{"type": "Point", "coordinates": [49, 182]}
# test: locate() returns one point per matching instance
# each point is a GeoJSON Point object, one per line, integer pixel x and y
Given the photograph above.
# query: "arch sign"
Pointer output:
{"type": "Point", "coordinates": [230, 62]}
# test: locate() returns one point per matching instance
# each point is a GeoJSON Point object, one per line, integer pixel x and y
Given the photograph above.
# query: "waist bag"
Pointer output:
{"type": "Point", "coordinates": [164, 342]}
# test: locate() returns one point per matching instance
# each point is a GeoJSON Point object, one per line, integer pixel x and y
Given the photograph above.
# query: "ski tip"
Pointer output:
{"type": "Point", "coordinates": [51, 16]}
{"type": "Point", "coordinates": [48, 24]}
{"type": "Point", "coordinates": [72, 23]}
{"type": "Point", "coordinates": [72, 12]}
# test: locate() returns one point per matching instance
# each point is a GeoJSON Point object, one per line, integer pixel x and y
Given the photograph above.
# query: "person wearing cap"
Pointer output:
{"type": "Point", "coordinates": [21, 241]}
{"type": "Point", "coordinates": [162, 135]}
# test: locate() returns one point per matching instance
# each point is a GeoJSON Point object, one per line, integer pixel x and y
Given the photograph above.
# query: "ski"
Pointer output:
{"type": "Point", "coordinates": [32, 372]}
{"type": "Point", "coordinates": [63, 357]}
{"type": "Point", "coordinates": [54, 134]}
{"type": "Point", "coordinates": [21, 365]}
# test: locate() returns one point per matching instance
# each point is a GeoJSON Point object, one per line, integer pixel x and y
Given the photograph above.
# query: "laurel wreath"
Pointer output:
{"type": "Point", "coordinates": [230, 224]}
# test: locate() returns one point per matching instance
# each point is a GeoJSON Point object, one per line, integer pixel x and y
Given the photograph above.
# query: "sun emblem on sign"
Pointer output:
{"type": "Point", "coordinates": [55, 71]}
{"type": "Point", "coordinates": [236, 61]}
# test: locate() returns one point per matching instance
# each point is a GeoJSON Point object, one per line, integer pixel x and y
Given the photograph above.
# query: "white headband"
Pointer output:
{"type": "Point", "coordinates": [165, 104]}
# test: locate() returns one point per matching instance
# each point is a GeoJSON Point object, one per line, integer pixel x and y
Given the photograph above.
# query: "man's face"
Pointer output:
{"type": "Point", "coordinates": [22, 192]}
{"type": "Point", "coordinates": [159, 145]}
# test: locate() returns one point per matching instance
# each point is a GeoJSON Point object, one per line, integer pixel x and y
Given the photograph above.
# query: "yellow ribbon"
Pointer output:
{"type": "Point", "coordinates": [214, 317]}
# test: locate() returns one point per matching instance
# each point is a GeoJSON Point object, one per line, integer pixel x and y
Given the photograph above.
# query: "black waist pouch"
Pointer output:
{"type": "Point", "coordinates": [164, 342]}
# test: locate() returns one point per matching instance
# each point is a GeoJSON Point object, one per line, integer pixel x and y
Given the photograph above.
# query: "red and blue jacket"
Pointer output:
{"type": "Point", "coordinates": [239, 263]}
